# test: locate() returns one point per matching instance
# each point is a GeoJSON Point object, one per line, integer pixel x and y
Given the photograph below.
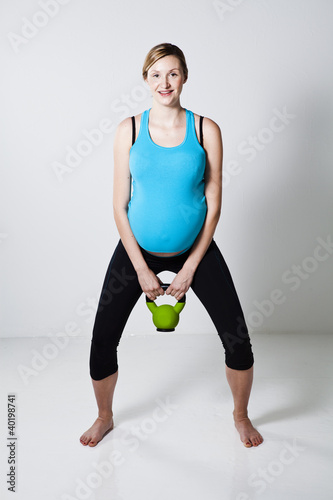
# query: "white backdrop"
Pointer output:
{"type": "Point", "coordinates": [261, 69]}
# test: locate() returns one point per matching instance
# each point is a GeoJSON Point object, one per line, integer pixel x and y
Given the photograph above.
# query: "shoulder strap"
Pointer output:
{"type": "Point", "coordinates": [201, 133]}
{"type": "Point", "coordinates": [133, 130]}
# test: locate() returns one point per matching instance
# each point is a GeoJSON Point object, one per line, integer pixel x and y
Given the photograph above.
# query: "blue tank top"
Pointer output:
{"type": "Point", "coordinates": [168, 205]}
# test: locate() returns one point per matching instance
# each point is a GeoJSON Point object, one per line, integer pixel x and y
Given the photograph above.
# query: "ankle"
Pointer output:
{"type": "Point", "coordinates": [105, 415]}
{"type": "Point", "coordinates": [240, 415]}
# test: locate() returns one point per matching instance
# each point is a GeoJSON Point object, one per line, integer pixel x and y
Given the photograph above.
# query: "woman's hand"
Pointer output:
{"type": "Point", "coordinates": [150, 283]}
{"type": "Point", "coordinates": [181, 283]}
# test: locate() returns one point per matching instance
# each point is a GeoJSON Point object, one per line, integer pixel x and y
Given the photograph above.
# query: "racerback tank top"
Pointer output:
{"type": "Point", "coordinates": [168, 207]}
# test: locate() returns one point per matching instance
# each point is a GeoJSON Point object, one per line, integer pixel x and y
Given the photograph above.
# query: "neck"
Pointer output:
{"type": "Point", "coordinates": [169, 115]}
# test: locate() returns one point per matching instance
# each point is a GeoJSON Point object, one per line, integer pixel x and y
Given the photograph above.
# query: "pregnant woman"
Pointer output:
{"type": "Point", "coordinates": [167, 203]}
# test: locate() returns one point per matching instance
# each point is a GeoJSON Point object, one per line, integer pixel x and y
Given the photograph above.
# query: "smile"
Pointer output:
{"type": "Point", "coordinates": [166, 93]}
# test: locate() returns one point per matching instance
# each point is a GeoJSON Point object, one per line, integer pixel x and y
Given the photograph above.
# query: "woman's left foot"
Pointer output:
{"type": "Point", "coordinates": [248, 434]}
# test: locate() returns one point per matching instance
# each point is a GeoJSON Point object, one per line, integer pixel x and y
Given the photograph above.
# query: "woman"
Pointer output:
{"type": "Point", "coordinates": [168, 223]}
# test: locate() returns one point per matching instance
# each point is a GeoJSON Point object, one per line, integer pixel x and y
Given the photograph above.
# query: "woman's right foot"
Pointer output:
{"type": "Point", "coordinates": [97, 431]}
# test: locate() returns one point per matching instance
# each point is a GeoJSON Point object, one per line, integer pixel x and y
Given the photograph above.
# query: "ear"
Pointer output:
{"type": "Point", "coordinates": [147, 85]}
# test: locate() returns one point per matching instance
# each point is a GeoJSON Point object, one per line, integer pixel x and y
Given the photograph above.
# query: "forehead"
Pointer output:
{"type": "Point", "coordinates": [166, 63]}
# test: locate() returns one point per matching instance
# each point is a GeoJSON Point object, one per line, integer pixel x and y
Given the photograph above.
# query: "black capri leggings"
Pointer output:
{"type": "Point", "coordinates": [212, 283]}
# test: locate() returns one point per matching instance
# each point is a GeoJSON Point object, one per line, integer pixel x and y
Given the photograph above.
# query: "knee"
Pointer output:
{"type": "Point", "coordinates": [238, 350]}
{"type": "Point", "coordinates": [103, 361]}
{"type": "Point", "coordinates": [244, 363]}
{"type": "Point", "coordinates": [240, 358]}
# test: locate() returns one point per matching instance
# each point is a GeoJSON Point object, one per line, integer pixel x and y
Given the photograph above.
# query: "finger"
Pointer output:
{"type": "Point", "coordinates": [157, 292]}
{"type": "Point", "coordinates": [151, 294]}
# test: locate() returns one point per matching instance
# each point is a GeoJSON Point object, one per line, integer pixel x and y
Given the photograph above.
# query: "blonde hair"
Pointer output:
{"type": "Point", "coordinates": [162, 50]}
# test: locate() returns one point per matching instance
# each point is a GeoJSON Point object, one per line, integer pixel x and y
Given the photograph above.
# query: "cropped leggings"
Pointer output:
{"type": "Point", "coordinates": [212, 283]}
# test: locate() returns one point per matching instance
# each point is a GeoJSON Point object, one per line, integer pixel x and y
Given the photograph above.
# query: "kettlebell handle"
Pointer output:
{"type": "Point", "coordinates": [165, 286]}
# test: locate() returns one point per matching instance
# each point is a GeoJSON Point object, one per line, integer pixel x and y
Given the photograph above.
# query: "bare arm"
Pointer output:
{"type": "Point", "coordinates": [213, 193]}
{"type": "Point", "coordinates": [149, 282]}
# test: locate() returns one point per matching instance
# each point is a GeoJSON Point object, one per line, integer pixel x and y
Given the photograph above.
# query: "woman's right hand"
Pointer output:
{"type": "Point", "coordinates": [150, 283]}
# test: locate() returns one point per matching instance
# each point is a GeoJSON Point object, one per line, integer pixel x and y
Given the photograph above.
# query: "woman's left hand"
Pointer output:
{"type": "Point", "coordinates": [180, 284]}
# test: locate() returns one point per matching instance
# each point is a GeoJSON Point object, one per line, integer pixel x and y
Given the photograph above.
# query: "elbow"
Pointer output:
{"type": "Point", "coordinates": [119, 211]}
{"type": "Point", "coordinates": [212, 219]}
{"type": "Point", "coordinates": [214, 212]}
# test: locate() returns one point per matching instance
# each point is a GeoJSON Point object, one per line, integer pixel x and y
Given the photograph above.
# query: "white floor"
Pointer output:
{"type": "Point", "coordinates": [174, 437]}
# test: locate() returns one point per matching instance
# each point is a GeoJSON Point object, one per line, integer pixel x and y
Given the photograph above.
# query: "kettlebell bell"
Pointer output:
{"type": "Point", "coordinates": [165, 317]}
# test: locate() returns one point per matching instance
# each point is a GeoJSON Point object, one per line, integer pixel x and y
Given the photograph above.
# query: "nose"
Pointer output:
{"type": "Point", "coordinates": [165, 82]}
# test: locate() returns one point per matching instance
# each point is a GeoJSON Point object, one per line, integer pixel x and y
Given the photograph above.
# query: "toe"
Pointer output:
{"type": "Point", "coordinates": [84, 440]}
{"type": "Point", "coordinates": [257, 440]}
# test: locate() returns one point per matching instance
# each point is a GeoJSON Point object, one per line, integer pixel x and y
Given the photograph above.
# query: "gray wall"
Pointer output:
{"type": "Point", "coordinates": [261, 69]}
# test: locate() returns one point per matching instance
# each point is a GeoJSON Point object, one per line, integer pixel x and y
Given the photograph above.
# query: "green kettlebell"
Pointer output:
{"type": "Point", "coordinates": [165, 317]}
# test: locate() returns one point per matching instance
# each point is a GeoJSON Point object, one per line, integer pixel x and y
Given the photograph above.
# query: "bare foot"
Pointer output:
{"type": "Point", "coordinates": [248, 434]}
{"type": "Point", "coordinates": [97, 431]}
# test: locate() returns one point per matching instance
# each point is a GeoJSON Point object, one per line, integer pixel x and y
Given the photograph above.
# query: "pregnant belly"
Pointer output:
{"type": "Point", "coordinates": [166, 233]}
{"type": "Point", "coordinates": [168, 254]}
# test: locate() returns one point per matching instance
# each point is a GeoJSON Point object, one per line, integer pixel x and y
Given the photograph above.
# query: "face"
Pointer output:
{"type": "Point", "coordinates": [165, 79]}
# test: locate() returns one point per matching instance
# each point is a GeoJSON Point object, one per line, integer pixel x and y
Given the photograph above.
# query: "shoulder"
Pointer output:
{"type": "Point", "coordinates": [125, 127]}
{"type": "Point", "coordinates": [126, 123]}
{"type": "Point", "coordinates": [211, 130]}
{"type": "Point", "coordinates": [208, 123]}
